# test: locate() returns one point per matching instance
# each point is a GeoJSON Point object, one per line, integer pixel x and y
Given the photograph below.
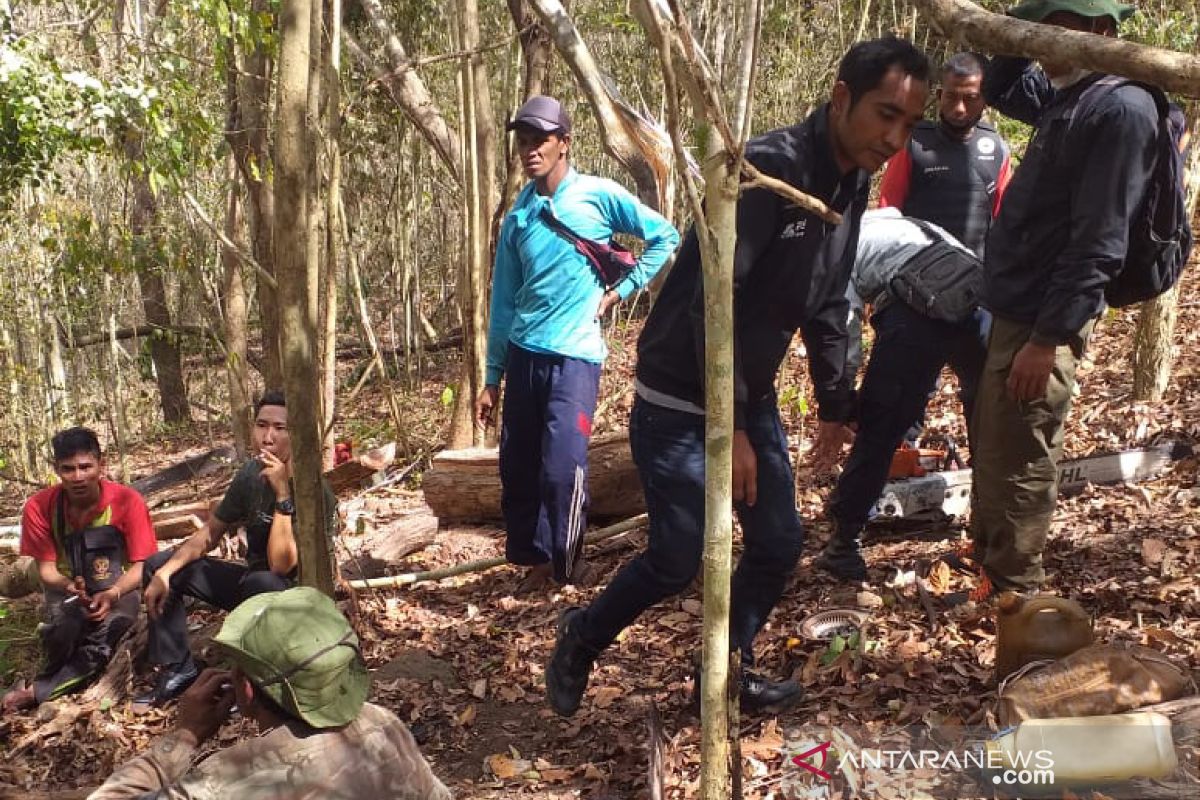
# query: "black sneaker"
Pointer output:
{"type": "Point", "coordinates": [172, 681]}
{"type": "Point", "coordinates": [756, 693]}
{"type": "Point", "coordinates": [569, 667]}
{"type": "Point", "coordinates": [842, 562]}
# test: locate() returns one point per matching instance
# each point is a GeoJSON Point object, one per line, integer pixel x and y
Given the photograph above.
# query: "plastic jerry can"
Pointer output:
{"type": "Point", "coordinates": [1086, 750]}
{"type": "Point", "coordinates": [1036, 628]}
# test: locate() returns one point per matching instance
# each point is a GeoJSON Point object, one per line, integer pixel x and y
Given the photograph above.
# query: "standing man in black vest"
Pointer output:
{"type": "Point", "coordinates": [954, 171]}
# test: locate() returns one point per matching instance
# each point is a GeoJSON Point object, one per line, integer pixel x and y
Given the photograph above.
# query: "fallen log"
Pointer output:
{"type": "Point", "coordinates": [357, 470]}
{"type": "Point", "coordinates": [464, 485]}
{"type": "Point", "coordinates": [381, 545]}
{"type": "Point", "coordinates": [195, 467]}
{"type": "Point", "coordinates": [484, 564]}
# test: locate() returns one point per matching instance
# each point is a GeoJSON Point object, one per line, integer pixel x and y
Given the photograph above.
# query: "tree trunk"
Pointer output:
{"type": "Point", "coordinates": [535, 50]}
{"type": "Point", "coordinates": [235, 322]}
{"type": "Point", "coordinates": [149, 263]}
{"type": "Point", "coordinates": [464, 485]}
{"type": "Point", "coordinates": [331, 114]}
{"type": "Point", "coordinates": [298, 289]}
{"type": "Point", "coordinates": [250, 142]}
{"type": "Point", "coordinates": [995, 33]}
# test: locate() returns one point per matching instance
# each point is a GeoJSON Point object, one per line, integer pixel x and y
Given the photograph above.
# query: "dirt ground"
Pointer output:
{"type": "Point", "coordinates": [461, 660]}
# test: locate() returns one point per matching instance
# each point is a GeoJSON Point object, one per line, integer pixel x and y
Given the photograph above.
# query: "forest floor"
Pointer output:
{"type": "Point", "coordinates": [462, 660]}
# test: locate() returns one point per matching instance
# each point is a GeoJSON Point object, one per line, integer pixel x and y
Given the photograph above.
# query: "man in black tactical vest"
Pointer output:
{"type": "Point", "coordinates": [954, 171]}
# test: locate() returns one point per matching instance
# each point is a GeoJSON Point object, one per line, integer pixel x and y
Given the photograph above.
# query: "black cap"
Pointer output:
{"type": "Point", "coordinates": [542, 113]}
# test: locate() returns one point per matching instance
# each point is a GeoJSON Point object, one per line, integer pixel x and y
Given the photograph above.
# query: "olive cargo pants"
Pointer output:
{"type": "Point", "coordinates": [1015, 451]}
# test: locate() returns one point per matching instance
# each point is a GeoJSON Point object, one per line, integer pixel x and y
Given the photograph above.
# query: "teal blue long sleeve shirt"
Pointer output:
{"type": "Point", "coordinates": [544, 293]}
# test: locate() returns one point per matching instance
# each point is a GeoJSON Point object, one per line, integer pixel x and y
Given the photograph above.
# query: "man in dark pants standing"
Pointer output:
{"type": "Point", "coordinates": [907, 357]}
{"type": "Point", "coordinates": [790, 271]}
{"type": "Point", "coordinates": [544, 334]}
{"type": "Point", "coordinates": [1061, 236]}
{"type": "Point", "coordinates": [260, 500]}
{"type": "Point", "coordinates": [954, 171]}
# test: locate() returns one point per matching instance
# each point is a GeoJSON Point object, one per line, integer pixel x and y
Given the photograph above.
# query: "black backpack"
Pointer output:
{"type": "Point", "coordinates": [1160, 236]}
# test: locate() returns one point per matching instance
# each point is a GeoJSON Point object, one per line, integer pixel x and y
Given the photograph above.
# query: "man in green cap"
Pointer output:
{"type": "Point", "coordinates": [1061, 235]}
{"type": "Point", "coordinates": [298, 673]}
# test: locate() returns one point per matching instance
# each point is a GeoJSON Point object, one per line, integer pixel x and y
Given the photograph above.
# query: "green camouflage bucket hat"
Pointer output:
{"type": "Point", "coordinates": [299, 649]}
{"type": "Point", "coordinates": [1038, 10]}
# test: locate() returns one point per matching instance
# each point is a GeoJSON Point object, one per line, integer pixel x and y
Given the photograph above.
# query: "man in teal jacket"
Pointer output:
{"type": "Point", "coordinates": [547, 303]}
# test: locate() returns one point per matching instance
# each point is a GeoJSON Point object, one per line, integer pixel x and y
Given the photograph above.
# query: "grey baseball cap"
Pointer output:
{"type": "Point", "coordinates": [542, 113]}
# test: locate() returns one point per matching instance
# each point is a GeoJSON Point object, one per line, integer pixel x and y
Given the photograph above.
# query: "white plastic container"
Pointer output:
{"type": "Point", "coordinates": [1089, 750]}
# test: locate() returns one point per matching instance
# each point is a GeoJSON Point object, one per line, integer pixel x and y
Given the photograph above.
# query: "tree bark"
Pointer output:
{"type": "Point", "coordinates": [250, 142]}
{"type": "Point", "coordinates": [235, 322]}
{"type": "Point", "coordinates": [464, 485]}
{"type": "Point", "coordinates": [995, 33]}
{"type": "Point", "coordinates": [298, 289]}
{"type": "Point", "coordinates": [639, 149]}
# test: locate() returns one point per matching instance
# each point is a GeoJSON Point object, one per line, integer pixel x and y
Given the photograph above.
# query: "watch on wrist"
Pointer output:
{"type": "Point", "coordinates": [287, 506]}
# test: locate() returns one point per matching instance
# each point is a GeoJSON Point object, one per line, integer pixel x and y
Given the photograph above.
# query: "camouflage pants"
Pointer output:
{"type": "Point", "coordinates": [1015, 451]}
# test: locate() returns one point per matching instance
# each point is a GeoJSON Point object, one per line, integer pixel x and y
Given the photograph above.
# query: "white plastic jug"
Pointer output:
{"type": "Point", "coordinates": [1082, 750]}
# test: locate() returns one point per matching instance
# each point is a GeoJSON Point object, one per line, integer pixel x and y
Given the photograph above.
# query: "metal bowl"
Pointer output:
{"type": "Point", "coordinates": [824, 625]}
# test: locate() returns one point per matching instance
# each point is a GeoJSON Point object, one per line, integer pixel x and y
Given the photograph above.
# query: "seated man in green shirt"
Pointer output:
{"type": "Point", "coordinates": [259, 500]}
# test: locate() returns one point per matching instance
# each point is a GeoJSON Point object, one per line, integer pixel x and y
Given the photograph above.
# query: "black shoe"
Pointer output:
{"type": "Point", "coordinates": [843, 561]}
{"type": "Point", "coordinates": [567, 672]}
{"type": "Point", "coordinates": [172, 681]}
{"type": "Point", "coordinates": [756, 693]}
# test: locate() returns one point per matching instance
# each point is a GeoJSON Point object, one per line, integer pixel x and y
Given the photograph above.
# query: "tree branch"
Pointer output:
{"type": "Point", "coordinates": [995, 33]}
{"type": "Point", "coordinates": [246, 258]}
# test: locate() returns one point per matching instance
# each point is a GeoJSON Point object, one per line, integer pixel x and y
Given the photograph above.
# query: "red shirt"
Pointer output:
{"type": "Point", "coordinates": [119, 506]}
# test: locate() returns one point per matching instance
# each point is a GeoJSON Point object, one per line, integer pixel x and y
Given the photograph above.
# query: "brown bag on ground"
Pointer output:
{"type": "Point", "coordinates": [1097, 680]}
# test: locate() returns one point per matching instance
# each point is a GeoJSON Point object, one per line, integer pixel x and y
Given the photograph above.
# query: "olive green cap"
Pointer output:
{"type": "Point", "coordinates": [299, 649]}
{"type": "Point", "coordinates": [1038, 10]}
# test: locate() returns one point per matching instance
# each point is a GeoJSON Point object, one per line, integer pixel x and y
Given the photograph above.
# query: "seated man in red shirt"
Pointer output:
{"type": "Point", "coordinates": [89, 537]}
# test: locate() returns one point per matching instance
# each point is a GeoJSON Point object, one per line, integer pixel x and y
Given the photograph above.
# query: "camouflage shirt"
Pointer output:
{"type": "Point", "coordinates": [374, 756]}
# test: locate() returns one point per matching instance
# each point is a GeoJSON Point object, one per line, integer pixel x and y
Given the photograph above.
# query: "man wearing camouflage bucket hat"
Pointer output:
{"type": "Point", "coordinates": [298, 673]}
{"type": "Point", "coordinates": [1061, 236]}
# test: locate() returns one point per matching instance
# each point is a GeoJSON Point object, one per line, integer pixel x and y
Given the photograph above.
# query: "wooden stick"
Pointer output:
{"type": "Point", "coordinates": [789, 192]}
{"type": "Point", "coordinates": [482, 565]}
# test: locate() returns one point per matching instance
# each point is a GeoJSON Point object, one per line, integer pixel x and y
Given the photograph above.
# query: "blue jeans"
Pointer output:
{"type": "Point", "coordinates": [668, 448]}
{"type": "Point", "coordinates": [907, 358]}
{"type": "Point", "coordinates": [548, 405]}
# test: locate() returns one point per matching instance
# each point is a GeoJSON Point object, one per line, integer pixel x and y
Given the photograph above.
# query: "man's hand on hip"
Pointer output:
{"type": "Point", "coordinates": [607, 302]}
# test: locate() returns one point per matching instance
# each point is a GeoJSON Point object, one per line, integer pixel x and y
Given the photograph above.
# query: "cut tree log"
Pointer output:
{"type": "Point", "coordinates": [178, 522]}
{"type": "Point", "coordinates": [383, 544]}
{"type": "Point", "coordinates": [357, 470]}
{"type": "Point", "coordinates": [464, 485]}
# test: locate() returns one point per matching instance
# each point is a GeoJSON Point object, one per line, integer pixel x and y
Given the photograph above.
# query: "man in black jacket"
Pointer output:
{"type": "Point", "coordinates": [1061, 236]}
{"type": "Point", "coordinates": [790, 271]}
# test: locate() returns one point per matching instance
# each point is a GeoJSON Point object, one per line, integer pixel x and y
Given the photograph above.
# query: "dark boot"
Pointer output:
{"type": "Point", "coordinates": [569, 667]}
{"type": "Point", "coordinates": [172, 681]}
{"type": "Point", "coordinates": [756, 693]}
{"type": "Point", "coordinates": [842, 558]}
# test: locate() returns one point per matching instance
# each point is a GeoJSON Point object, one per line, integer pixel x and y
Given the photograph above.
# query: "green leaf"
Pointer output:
{"type": "Point", "coordinates": [448, 396]}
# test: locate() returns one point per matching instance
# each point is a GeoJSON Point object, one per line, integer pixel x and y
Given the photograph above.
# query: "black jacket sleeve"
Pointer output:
{"type": "Point", "coordinates": [1017, 88]}
{"type": "Point", "coordinates": [1115, 145]}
